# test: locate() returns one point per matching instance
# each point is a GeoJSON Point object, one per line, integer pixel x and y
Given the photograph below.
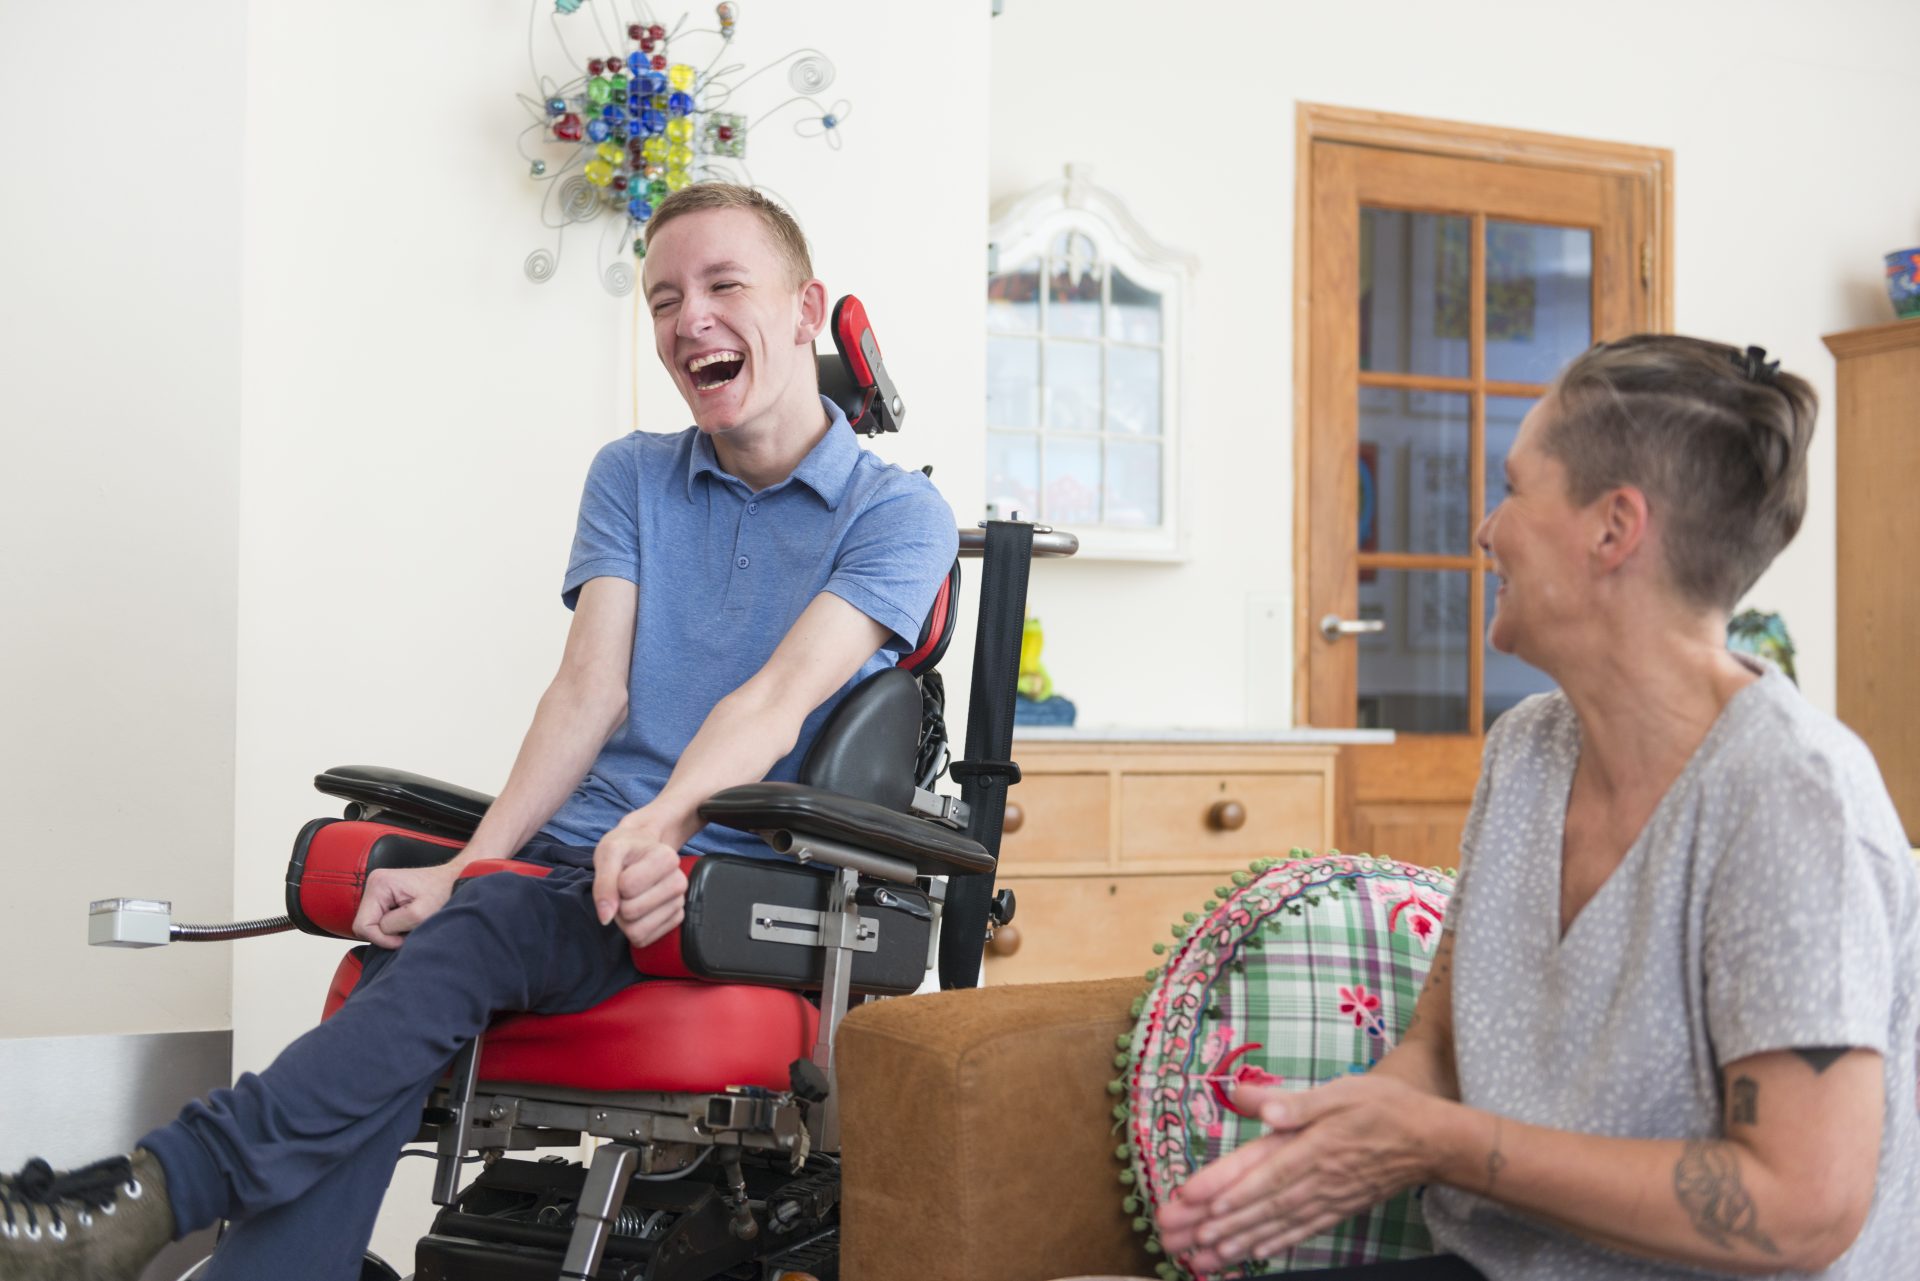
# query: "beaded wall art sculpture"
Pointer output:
{"type": "Point", "coordinates": [650, 108]}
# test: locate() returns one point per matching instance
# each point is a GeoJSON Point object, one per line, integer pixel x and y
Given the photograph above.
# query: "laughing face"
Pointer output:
{"type": "Point", "coordinates": [1536, 539]}
{"type": "Point", "coordinates": [731, 325]}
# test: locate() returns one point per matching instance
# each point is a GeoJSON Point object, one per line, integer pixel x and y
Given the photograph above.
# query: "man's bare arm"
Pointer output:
{"type": "Point", "coordinates": [584, 706]}
{"type": "Point", "coordinates": [743, 737]}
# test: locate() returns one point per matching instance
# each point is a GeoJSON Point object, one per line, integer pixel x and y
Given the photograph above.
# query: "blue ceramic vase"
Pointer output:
{"type": "Point", "coordinates": [1903, 281]}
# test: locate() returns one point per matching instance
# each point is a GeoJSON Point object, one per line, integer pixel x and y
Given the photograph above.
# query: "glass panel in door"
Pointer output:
{"type": "Point", "coordinates": [1414, 452]}
{"type": "Point", "coordinates": [1415, 292]}
{"type": "Point", "coordinates": [1539, 299]}
{"type": "Point", "coordinates": [1413, 672]}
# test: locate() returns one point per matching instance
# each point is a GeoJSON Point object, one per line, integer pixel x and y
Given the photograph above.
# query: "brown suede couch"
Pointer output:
{"type": "Point", "coordinates": [978, 1136]}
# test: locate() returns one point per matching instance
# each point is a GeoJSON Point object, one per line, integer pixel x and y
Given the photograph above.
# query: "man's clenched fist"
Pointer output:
{"type": "Point", "coordinates": [397, 899]}
{"type": "Point", "coordinates": [638, 884]}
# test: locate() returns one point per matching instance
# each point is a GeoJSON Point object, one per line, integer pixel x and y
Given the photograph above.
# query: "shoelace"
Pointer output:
{"type": "Point", "coordinates": [37, 1189]}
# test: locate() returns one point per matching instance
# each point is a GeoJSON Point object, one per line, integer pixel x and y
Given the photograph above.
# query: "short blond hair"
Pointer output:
{"type": "Point", "coordinates": [788, 240]}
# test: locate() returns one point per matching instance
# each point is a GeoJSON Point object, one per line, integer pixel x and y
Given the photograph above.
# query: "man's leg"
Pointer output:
{"type": "Point", "coordinates": [323, 1232]}
{"type": "Point", "coordinates": [347, 1094]}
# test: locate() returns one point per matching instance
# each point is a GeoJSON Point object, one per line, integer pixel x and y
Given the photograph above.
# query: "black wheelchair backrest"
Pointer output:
{"type": "Point", "coordinates": [867, 747]}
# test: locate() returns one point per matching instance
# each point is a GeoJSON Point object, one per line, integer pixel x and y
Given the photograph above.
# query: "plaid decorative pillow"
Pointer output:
{"type": "Point", "coordinates": [1306, 969]}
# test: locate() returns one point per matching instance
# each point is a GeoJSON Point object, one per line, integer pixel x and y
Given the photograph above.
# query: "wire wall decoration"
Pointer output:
{"type": "Point", "coordinates": [649, 109]}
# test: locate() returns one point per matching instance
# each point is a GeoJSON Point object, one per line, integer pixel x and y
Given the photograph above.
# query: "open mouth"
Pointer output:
{"type": "Point", "coordinates": [715, 369]}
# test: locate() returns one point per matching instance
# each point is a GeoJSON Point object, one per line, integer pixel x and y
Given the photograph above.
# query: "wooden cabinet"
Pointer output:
{"type": "Point", "coordinates": [1108, 843]}
{"type": "Point", "coordinates": [1877, 457]}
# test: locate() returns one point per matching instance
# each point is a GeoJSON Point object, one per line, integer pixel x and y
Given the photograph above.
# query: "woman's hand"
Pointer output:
{"type": "Point", "coordinates": [1333, 1151]}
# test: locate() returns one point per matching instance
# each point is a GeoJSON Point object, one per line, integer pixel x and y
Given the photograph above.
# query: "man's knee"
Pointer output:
{"type": "Point", "coordinates": [503, 886]}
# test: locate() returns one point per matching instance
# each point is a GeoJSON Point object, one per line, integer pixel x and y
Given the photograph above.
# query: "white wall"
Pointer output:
{"type": "Point", "coordinates": [1791, 127]}
{"type": "Point", "coordinates": [119, 424]}
{"type": "Point", "coordinates": [418, 417]}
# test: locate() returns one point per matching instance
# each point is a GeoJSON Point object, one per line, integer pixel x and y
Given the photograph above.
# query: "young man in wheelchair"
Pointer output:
{"type": "Point", "coordinates": [729, 584]}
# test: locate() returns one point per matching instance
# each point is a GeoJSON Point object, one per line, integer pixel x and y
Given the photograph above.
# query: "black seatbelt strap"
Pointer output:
{"type": "Point", "coordinates": [988, 769]}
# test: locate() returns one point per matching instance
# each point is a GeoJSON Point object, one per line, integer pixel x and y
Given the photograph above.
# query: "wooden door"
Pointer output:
{"type": "Point", "coordinates": [1443, 292]}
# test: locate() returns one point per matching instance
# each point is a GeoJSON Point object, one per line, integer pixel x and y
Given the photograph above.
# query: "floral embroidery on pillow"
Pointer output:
{"type": "Point", "coordinates": [1363, 1007]}
{"type": "Point", "coordinates": [1423, 913]}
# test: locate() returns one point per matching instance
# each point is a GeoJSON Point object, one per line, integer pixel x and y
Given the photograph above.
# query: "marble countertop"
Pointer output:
{"type": "Point", "coordinates": [1176, 734]}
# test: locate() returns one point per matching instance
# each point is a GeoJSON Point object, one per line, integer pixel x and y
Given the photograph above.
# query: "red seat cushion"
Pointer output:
{"type": "Point", "coordinates": [677, 1036]}
{"type": "Point", "coordinates": [671, 1035]}
{"type": "Point", "coordinates": [346, 976]}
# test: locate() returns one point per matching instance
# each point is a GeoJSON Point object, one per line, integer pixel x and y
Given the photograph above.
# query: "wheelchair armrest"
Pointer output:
{"type": "Point", "coordinates": [332, 859]}
{"type": "Point", "coordinates": [933, 850]}
{"type": "Point", "coordinates": [400, 796]}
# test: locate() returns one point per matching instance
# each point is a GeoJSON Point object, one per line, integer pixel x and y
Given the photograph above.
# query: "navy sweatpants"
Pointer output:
{"type": "Point", "coordinates": [300, 1155]}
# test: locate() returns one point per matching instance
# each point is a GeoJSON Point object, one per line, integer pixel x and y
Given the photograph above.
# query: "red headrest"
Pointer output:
{"type": "Point", "coordinates": [858, 381]}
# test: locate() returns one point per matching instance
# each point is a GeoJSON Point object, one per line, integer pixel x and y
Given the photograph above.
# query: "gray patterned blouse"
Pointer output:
{"type": "Point", "coordinates": [1769, 904]}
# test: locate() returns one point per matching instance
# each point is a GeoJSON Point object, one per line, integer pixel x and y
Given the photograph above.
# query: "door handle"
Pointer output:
{"type": "Point", "coordinates": [1333, 627]}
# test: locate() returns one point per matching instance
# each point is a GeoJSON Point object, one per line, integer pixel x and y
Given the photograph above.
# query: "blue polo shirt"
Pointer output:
{"type": "Point", "coordinates": [723, 571]}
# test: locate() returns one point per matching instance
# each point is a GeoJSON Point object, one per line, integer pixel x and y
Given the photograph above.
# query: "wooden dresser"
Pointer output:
{"type": "Point", "coordinates": [1109, 842]}
{"type": "Point", "coordinates": [1877, 455]}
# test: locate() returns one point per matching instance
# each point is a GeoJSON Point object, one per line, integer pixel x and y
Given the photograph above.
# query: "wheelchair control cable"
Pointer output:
{"type": "Point", "coordinates": [680, 1173]}
{"type": "Point", "coordinates": [184, 933]}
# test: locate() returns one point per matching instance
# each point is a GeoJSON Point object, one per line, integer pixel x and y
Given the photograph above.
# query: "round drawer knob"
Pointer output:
{"type": "Point", "coordinates": [1014, 819]}
{"type": "Point", "coordinates": [1226, 816]}
{"type": "Point", "coordinates": [1005, 941]}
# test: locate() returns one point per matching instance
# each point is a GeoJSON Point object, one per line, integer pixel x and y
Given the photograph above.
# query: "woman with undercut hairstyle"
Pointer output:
{"type": "Point", "coordinates": [1671, 1025]}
